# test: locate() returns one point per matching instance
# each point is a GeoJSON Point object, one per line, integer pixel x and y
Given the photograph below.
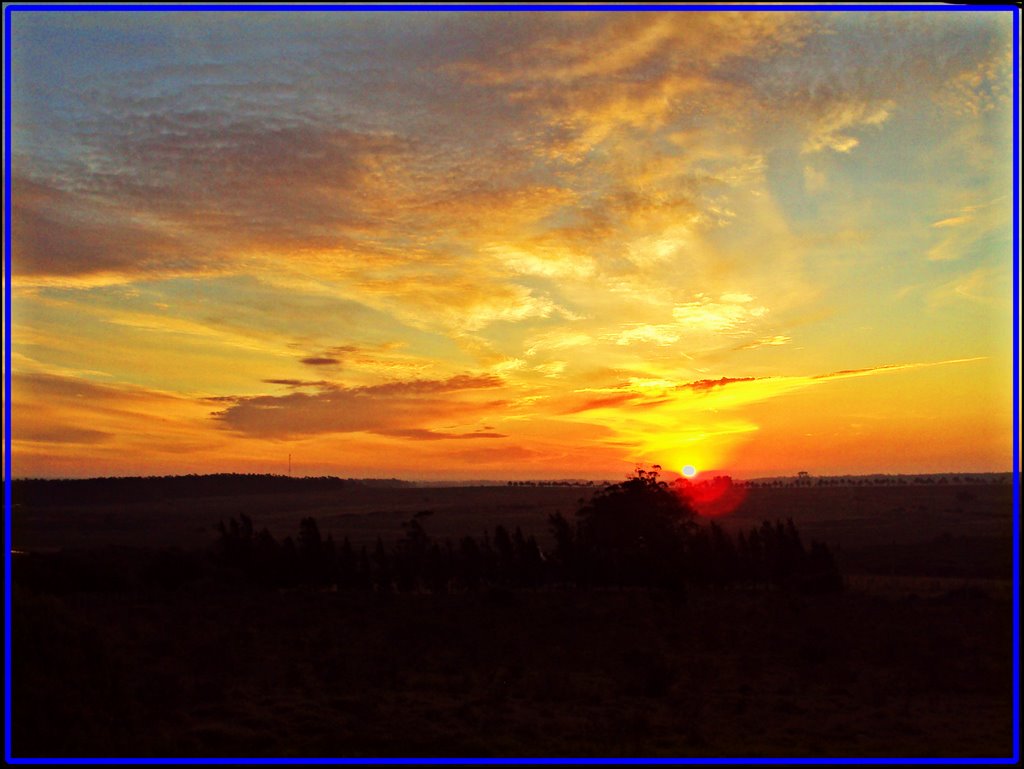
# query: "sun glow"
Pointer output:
{"type": "Point", "coordinates": [689, 471]}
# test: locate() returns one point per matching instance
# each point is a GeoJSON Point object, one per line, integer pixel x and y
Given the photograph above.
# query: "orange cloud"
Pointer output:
{"type": "Point", "coordinates": [405, 408]}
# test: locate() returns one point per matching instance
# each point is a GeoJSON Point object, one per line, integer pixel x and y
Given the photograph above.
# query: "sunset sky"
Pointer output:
{"type": "Point", "coordinates": [511, 245]}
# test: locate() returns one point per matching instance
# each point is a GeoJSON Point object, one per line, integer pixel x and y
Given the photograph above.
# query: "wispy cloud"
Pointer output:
{"type": "Point", "coordinates": [707, 384]}
{"type": "Point", "coordinates": [433, 435]}
{"type": "Point", "coordinates": [832, 130]}
{"type": "Point", "coordinates": [731, 314]}
{"type": "Point", "coordinates": [962, 235]}
{"type": "Point", "coordinates": [293, 383]}
{"type": "Point", "coordinates": [980, 285]}
{"type": "Point", "coordinates": [770, 341]}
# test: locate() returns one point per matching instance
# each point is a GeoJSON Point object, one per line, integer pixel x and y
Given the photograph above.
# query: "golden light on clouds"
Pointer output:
{"type": "Point", "coordinates": [465, 245]}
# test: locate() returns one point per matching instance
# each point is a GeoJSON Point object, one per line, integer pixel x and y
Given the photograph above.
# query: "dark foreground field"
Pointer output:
{"type": "Point", "coordinates": [525, 673]}
{"type": "Point", "coordinates": [913, 658]}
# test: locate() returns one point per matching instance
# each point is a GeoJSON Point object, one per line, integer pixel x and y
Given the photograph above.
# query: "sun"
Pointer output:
{"type": "Point", "coordinates": [689, 471]}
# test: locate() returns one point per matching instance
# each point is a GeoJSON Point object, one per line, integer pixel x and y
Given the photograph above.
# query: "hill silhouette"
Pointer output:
{"type": "Point", "coordinates": [86, 491]}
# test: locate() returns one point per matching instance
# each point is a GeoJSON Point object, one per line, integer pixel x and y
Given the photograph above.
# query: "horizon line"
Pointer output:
{"type": "Point", "coordinates": [483, 480]}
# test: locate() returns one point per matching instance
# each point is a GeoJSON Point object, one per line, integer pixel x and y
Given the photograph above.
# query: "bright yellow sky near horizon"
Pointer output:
{"type": "Point", "coordinates": [511, 245]}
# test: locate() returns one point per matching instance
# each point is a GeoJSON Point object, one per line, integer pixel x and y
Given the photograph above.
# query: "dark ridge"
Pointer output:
{"type": "Point", "coordinates": [91, 491]}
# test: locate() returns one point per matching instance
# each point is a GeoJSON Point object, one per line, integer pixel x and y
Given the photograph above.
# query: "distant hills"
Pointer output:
{"type": "Point", "coordinates": [35, 491]}
{"type": "Point", "coordinates": [881, 479]}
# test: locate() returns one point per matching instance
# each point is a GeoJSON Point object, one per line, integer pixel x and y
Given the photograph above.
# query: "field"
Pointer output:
{"type": "Point", "coordinates": [916, 530]}
{"type": "Point", "coordinates": [914, 658]}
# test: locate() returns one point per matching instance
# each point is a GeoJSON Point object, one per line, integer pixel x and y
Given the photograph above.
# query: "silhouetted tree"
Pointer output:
{"type": "Point", "coordinates": [635, 532]}
{"type": "Point", "coordinates": [315, 556]}
{"type": "Point", "coordinates": [382, 567]}
{"type": "Point", "coordinates": [504, 553]}
{"type": "Point", "coordinates": [639, 532]}
{"type": "Point", "coordinates": [529, 562]}
{"type": "Point", "coordinates": [346, 568]}
{"type": "Point", "coordinates": [563, 557]}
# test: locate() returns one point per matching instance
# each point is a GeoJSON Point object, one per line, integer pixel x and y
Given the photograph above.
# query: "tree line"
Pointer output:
{"type": "Point", "coordinates": [641, 532]}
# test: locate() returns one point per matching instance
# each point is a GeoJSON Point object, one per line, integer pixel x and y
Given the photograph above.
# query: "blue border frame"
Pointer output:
{"type": "Point", "coordinates": [530, 761]}
{"type": "Point", "coordinates": [440, 7]}
{"type": "Point", "coordinates": [487, 7]}
{"type": "Point", "coordinates": [7, 384]}
{"type": "Point", "coordinates": [1016, 383]}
